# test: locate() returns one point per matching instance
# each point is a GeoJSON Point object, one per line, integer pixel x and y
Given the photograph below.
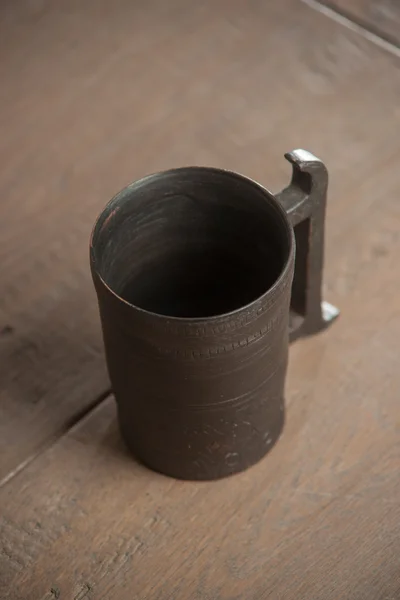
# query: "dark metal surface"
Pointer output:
{"type": "Point", "coordinates": [305, 203]}
{"type": "Point", "coordinates": [193, 269]}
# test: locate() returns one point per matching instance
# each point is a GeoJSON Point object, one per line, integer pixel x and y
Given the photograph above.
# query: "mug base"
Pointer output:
{"type": "Point", "coordinates": [204, 466]}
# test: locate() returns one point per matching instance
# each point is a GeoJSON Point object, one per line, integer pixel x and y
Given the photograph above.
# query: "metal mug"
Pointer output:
{"type": "Point", "coordinates": [199, 292]}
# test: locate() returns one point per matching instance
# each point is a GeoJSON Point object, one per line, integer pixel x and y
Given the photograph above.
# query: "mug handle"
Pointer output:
{"type": "Point", "coordinates": [305, 203]}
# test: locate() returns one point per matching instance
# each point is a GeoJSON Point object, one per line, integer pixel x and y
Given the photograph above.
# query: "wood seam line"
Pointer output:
{"type": "Point", "coordinates": [358, 26]}
{"type": "Point", "coordinates": [70, 424]}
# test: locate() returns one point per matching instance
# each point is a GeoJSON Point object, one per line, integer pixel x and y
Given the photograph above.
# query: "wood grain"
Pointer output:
{"type": "Point", "coordinates": [319, 518]}
{"type": "Point", "coordinates": [93, 95]}
{"type": "Point", "coordinates": [381, 17]}
{"type": "Point", "coordinates": [229, 84]}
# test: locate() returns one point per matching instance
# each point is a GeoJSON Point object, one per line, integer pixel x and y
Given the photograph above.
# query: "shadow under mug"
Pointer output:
{"type": "Point", "coordinates": [199, 293]}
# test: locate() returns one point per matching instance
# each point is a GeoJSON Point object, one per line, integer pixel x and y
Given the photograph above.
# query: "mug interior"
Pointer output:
{"type": "Point", "coordinates": [191, 243]}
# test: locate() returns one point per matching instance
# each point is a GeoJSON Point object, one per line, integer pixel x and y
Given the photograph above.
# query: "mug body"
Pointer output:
{"type": "Point", "coordinates": [193, 269]}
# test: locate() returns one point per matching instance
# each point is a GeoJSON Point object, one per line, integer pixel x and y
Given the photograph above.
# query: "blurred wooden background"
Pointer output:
{"type": "Point", "coordinates": [95, 94]}
{"type": "Point", "coordinates": [381, 17]}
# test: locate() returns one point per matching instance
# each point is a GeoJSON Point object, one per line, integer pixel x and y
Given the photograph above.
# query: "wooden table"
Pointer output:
{"type": "Point", "coordinates": [94, 94]}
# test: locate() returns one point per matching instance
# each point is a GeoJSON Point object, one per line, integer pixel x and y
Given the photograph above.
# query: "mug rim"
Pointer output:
{"type": "Point", "coordinates": [134, 185]}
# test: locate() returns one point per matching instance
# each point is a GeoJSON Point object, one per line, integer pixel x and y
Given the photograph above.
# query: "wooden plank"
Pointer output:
{"type": "Point", "coordinates": [232, 84]}
{"type": "Point", "coordinates": [318, 518]}
{"type": "Point", "coordinates": [382, 17]}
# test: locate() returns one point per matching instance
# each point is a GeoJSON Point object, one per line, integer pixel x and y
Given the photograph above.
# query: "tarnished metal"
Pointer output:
{"type": "Point", "coordinates": [198, 290]}
{"type": "Point", "coordinates": [305, 203]}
